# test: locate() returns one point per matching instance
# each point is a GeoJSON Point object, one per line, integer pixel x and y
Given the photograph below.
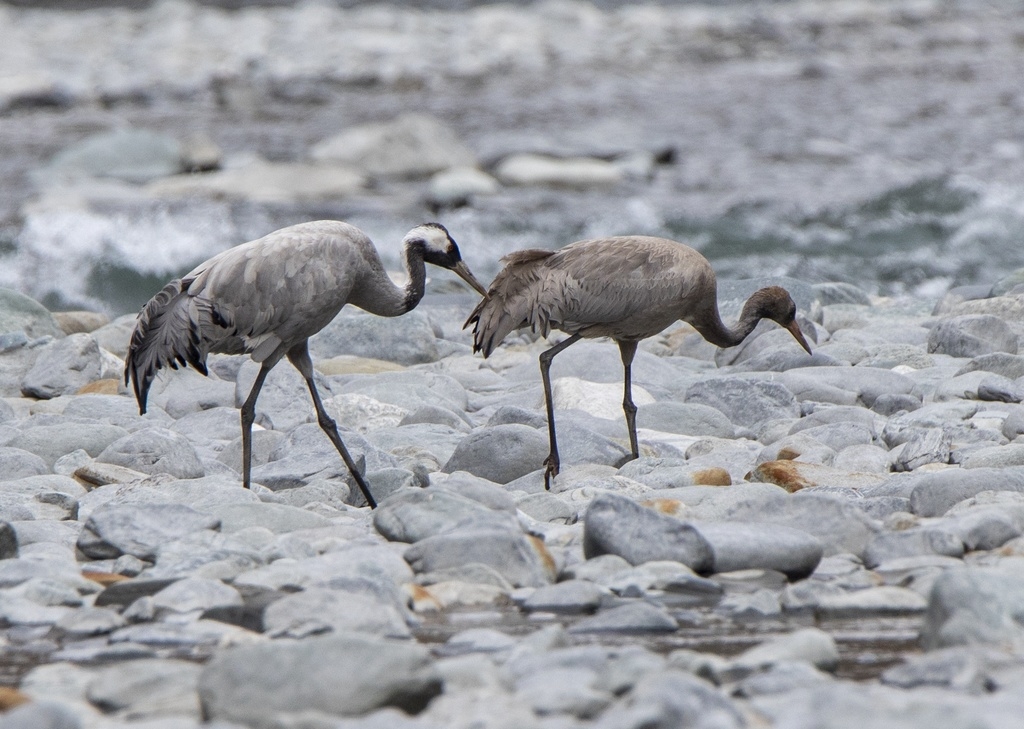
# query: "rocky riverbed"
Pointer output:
{"type": "Point", "coordinates": [806, 541]}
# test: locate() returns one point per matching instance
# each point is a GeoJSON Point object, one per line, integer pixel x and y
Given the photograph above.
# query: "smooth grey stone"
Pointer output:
{"type": "Point", "coordinates": [887, 356]}
{"type": "Point", "coordinates": [983, 527]}
{"type": "Point", "coordinates": [806, 388]}
{"type": "Point", "coordinates": [999, 456]}
{"type": "Point", "coordinates": [64, 533]}
{"type": "Point", "coordinates": [807, 645]}
{"type": "Point", "coordinates": [319, 610]}
{"type": "Point", "coordinates": [673, 698]}
{"type": "Point", "coordinates": [797, 447]}
{"type": "Point", "coordinates": [187, 391]}
{"type": "Point", "coordinates": [412, 515]}
{"type": "Point", "coordinates": [132, 155]}
{"type": "Point", "coordinates": [511, 414]}
{"type": "Point", "coordinates": [840, 292]}
{"type": "Point", "coordinates": [114, 410]}
{"type": "Point", "coordinates": [879, 507]}
{"type": "Point", "coordinates": [1000, 363]}
{"type": "Point", "coordinates": [974, 605]}
{"type": "Point", "coordinates": [743, 546]}
{"type": "Point", "coordinates": [563, 692]}
{"type": "Point", "coordinates": [892, 403]}
{"type": "Point", "coordinates": [196, 593]}
{"type": "Point", "coordinates": [148, 687]}
{"type": "Point", "coordinates": [867, 382]}
{"type": "Point", "coordinates": [41, 505]}
{"type": "Point", "coordinates": [479, 640]}
{"type": "Point", "coordinates": [634, 617]}
{"type": "Point", "coordinates": [154, 450]}
{"type": "Point", "coordinates": [996, 388]}
{"type": "Point", "coordinates": [214, 424]}
{"type": "Point", "coordinates": [438, 415]}
{"type": "Point", "coordinates": [886, 546]}
{"type": "Point", "coordinates": [479, 489]}
{"type": "Point", "coordinates": [472, 572]}
{"type": "Point", "coordinates": [140, 529]}
{"type": "Point", "coordinates": [781, 678]}
{"type": "Point", "coordinates": [837, 523]}
{"type": "Point", "coordinates": [960, 668]}
{"type": "Point", "coordinates": [770, 349]}
{"type": "Point", "coordinates": [684, 418]}
{"type": "Point", "coordinates": [508, 552]}
{"type": "Point", "coordinates": [1013, 424]}
{"type": "Point", "coordinates": [41, 714]}
{"type": "Point", "coordinates": [578, 444]}
{"type": "Point", "coordinates": [376, 562]}
{"type": "Point", "coordinates": [90, 622]}
{"type": "Point", "coordinates": [839, 415]}
{"type": "Point", "coordinates": [340, 675]}
{"type": "Point", "coordinates": [19, 313]}
{"type": "Point", "coordinates": [547, 507]}
{"type": "Point", "coordinates": [900, 428]}
{"type": "Point", "coordinates": [501, 453]}
{"type": "Point", "coordinates": [409, 146]}
{"type": "Point", "coordinates": [50, 442]}
{"type": "Point", "coordinates": [411, 389]}
{"type": "Point", "coordinates": [750, 606]}
{"type": "Point", "coordinates": [407, 340]}
{"type": "Point", "coordinates": [615, 524]}
{"type": "Point", "coordinates": [278, 518]}
{"type": "Point", "coordinates": [838, 436]}
{"type": "Point", "coordinates": [672, 582]}
{"type": "Point", "coordinates": [597, 569]}
{"type": "Point", "coordinates": [63, 367]}
{"type": "Point", "coordinates": [871, 601]}
{"type": "Point", "coordinates": [971, 335]}
{"type": "Point", "coordinates": [599, 362]}
{"type": "Point", "coordinates": [18, 463]}
{"type": "Point", "coordinates": [571, 596]}
{"type": "Point", "coordinates": [935, 493]}
{"type": "Point", "coordinates": [862, 459]}
{"type": "Point", "coordinates": [744, 402]}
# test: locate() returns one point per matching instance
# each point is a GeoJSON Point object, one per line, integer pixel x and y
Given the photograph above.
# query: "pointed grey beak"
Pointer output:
{"type": "Point", "coordinates": [794, 329]}
{"type": "Point", "coordinates": [462, 270]}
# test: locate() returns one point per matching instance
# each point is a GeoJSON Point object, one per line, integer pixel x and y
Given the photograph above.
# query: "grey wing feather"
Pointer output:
{"type": "Point", "coordinates": [168, 333]}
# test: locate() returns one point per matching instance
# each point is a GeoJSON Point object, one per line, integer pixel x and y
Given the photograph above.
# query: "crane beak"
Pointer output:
{"type": "Point", "coordinates": [794, 329]}
{"type": "Point", "coordinates": [463, 272]}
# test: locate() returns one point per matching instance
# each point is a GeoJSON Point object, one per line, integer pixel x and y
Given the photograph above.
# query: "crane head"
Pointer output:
{"type": "Point", "coordinates": [440, 249]}
{"type": "Point", "coordinates": [775, 303]}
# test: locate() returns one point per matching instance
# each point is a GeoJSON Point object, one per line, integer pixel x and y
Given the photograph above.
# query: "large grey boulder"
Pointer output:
{"type": "Point", "coordinates": [19, 313]}
{"type": "Point", "coordinates": [500, 453]}
{"type": "Point", "coordinates": [50, 442]}
{"type": "Point", "coordinates": [406, 340]}
{"type": "Point", "coordinates": [154, 450]}
{"type": "Point", "coordinates": [934, 493]}
{"type": "Point", "coordinates": [411, 515]}
{"type": "Point", "coordinates": [520, 559]}
{"type": "Point", "coordinates": [140, 529]}
{"type": "Point", "coordinates": [342, 675]}
{"type": "Point", "coordinates": [972, 335]}
{"type": "Point", "coordinates": [409, 146]}
{"type": "Point", "coordinates": [975, 605]}
{"type": "Point", "coordinates": [744, 402]}
{"type": "Point", "coordinates": [618, 525]}
{"type": "Point", "coordinates": [742, 546]}
{"type": "Point", "coordinates": [133, 155]}
{"type": "Point", "coordinates": [64, 367]}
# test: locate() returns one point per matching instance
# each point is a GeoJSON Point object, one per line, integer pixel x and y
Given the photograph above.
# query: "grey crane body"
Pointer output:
{"type": "Point", "coordinates": [627, 288]}
{"type": "Point", "coordinates": [266, 298]}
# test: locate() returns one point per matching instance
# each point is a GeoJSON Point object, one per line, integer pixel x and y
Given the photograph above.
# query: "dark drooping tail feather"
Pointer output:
{"type": "Point", "coordinates": [167, 333]}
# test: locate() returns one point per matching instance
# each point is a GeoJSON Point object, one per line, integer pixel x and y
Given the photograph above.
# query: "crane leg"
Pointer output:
{"type": "Point", "coordinates": [551, 464]}
{"type": "Point", "coordinates": [299, 356]}
{"type": "Point", "coordinates": [628, 350]}
{"type": "Point", "coordinates": [248, 417]}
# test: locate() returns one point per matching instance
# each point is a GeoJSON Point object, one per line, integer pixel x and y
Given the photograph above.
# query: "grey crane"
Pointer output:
{"type": "Point", "coordinates": [627, 288]}
{"type": "Point", "coordinates": [267, 297]}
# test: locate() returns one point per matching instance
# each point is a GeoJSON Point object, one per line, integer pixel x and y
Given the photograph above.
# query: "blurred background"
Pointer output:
{"type": "Point", "coordinates": [877, 142]}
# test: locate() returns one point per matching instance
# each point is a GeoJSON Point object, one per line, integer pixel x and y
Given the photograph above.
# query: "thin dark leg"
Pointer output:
{"type": "Point", "coordinates": [248, 412]}
{"type": "Point", "coordinates": [628, 350]}
{"type": "Point", "coordinates": [551, 463]}
{"type": "Point", "coordinates": [299, 356]}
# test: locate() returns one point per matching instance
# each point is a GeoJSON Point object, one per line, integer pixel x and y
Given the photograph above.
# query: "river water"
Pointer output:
{"type": "Point", "coordinates": [871, 141]}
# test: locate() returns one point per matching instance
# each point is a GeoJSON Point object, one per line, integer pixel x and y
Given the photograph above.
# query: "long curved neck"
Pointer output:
{"type": "Point", "coordinates": [379, 295]}
{"type": "Point", "coordinates": [713, 329]}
